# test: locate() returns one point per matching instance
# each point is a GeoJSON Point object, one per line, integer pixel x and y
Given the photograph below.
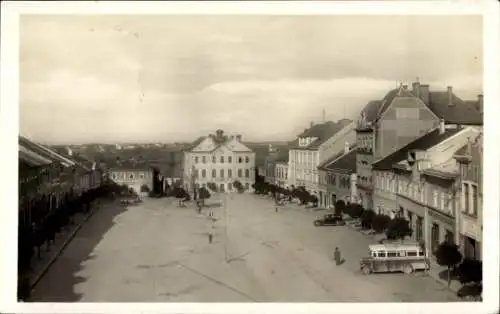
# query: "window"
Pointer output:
{"type": "Point", "coordinates": [240, 160]}
{"type": "Point", "coordinates": [131, 176]}
{"type": "Point", "coordinates": [222, 173]}
{"type": "Point", "coordinates": [435, 199]}
{"type": "Point", "coordinates": [221, 159]}
{"type": "Point", "coordinates": [203, 173]}
{"type": "Point", "coordinates": [392, 254]}
{"type": "Point", "coordinates": [450, 203]}
{"type": "Point", "coordinates": [401, 253]}
{"type": "Point", "coordinates": [411, 253]}
{"type": "Point", "coordinates": [381, 254]}
{"type": "Point", "coordinates": [214, 173]}
{"type": "Point", "coordinates": [240, 173]}
{"type": "Point", "coordinates": [443, 201]}
{"type": "Point", "coordinates": [229, 173]}
{"type": "Point", "coordinates": [196, 173]}
{"type": "Point", "coordinates": [247, 159]}
{"type": "Point", "coordinates": [421, 253]}
{"type": "Point", "coordinates": [474, 200]}
{"type": "Point", "coordinates": [214, 159]}
{"type": "Point", "coordinates": [230, 159]}
{"type": "Point", "coordinates": [466, 197]}
{"type": "Point", "coordinates": [204, 159]}
{"type": "Point", "coordinates": [142, 175]}
{"type": "Point", "coordinates": [449, 237]}
{"type": "Point", "coordinates": [196, 159]}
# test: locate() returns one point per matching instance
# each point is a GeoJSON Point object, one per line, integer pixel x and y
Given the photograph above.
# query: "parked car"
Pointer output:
{"type": "Point", "coordinates": [329, 220]}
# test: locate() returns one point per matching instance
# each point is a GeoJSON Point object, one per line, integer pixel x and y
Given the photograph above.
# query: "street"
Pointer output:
{"type": "Point", "coordinates": [158, 252]}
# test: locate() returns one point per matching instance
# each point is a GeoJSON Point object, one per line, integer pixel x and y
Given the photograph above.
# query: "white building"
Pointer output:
{"type": "Point", "coordinates": [220, 160]}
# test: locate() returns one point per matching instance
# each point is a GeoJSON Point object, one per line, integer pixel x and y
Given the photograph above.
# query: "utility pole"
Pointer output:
{"type": "Point", "coordinates": [226, 258]}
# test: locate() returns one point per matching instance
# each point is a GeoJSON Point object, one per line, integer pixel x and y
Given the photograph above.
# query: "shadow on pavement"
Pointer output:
{"type": "Point", "coordinates": [60, 281]}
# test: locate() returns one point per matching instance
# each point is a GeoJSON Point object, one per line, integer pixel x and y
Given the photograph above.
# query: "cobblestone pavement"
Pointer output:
{"type": "Point", "coordinates": [157, 251]}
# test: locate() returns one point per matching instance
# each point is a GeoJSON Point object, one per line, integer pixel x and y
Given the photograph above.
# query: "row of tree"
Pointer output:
{"type": "Point", "coordinates": [300, 192]}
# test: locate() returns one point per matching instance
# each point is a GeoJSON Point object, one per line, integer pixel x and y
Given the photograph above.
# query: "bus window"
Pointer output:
{"type": "Point", "coordinates": [411, 253]}
{"type": "Point", "coordinates": [373, 254]}
{"type": "Point", "coordinates": [420, 253]}
{"type": "Point", "coordinates": [381, 254]}
{"type": "Point", "coordinates": [392, 254]}
{"type": "Point", "coordinates": [402, 253]}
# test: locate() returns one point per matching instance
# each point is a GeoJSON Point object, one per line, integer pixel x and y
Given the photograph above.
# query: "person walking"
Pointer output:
{"type": "Point", "coordinates": [210, 237]}
{"type": "Point", "coordinates": [276, 209]}
{"type": "Point", "coordinates": [336, 256]}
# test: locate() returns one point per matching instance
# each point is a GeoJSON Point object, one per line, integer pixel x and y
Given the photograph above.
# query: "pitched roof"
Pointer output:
{"type": "Point", "coordinates": [344, 162]}
{"type": "Point", "coordinates": [422, 143]}
{"type": "Point", "coordinates": [323, 132]}
{"type": "Point", "coordinates": [130, 165]}
{"type": "Point", "coordinates": [31, 158]}
{"type": "Point", "coordinates": [44, 151]}
{"type": "Point", "coordinates": [462, 112]}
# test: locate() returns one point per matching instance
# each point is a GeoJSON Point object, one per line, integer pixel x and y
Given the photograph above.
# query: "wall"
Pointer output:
{"type": "Point", "coordinates": [303, 169]}
{"type": "Point", "coordinates": [336, 143]}
{"type": "Point", "coordinates": [406, 119]}
{"type": "Point", "coordinates": [384, 192]}
{"type": "Point", "coordinates": [140, 177]}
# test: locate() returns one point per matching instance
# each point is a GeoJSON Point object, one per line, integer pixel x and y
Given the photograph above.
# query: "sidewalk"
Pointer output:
{"type": "Point", "coordinates": [434, 273]}
{"type": "Point", "coordinates": [62, 239]}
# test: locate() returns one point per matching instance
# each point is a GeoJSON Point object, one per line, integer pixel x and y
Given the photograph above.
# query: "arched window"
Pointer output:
{"type": "Point", "coordinates": [203, 173]}
{"type": "Point", "coordinates": [247, 159]}
{"type": "Point", "coordinates": [214, 173]}
{"type": "Point", "coordinates": [240, 173]}
{"type": "Point", "coordinates": [221, 159]}
{"type": "Point", "coordinates": [247, 173]}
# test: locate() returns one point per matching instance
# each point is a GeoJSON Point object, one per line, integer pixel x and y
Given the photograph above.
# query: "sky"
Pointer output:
{"type": "Point", "coordinates": [166, 78]}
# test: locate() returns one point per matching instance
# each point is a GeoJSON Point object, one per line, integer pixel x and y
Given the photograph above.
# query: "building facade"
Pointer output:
{"type": "Point", "coordinates": [338, 178]}
{"type": "Point", "coordinates": [133, 175]}
{"type": "Point", "coordinates": [304, 157]}
{"type": "Point", "coordinates": [470, 224]}
{"type": "Point", "coordinates": [281, 174]}
{"type": "Point", "coordinates": [221, 161]}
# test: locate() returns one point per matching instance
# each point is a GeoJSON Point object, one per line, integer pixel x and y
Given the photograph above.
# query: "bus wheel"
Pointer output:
{"type": "Point", "coordinates": [408, 269]}
{"type": "Point", "coordinates": [366, 270]}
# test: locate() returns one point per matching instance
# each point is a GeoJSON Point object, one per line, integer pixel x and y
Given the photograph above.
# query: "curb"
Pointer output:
{"type": "Point", "coordinates": [70, 237]}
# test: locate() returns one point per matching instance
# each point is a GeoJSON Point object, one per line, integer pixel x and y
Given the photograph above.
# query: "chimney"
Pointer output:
{"type": "Point", "coordinates": [450, 96]}
{"type": "Point", "coordinates": [416, 88]}
{"type": "Point", "coordinates": [480, 103]}
{"type": "Point", "coordinates": [424, 93]}
{"type": "Point", "coordinates": [442, 127]}
{"type": "Point", "coordinates": [238, 137]}
{"type": "Point", "coordinates": [312, 123]}
{"type": "Point", "coordinates": [346, 147]}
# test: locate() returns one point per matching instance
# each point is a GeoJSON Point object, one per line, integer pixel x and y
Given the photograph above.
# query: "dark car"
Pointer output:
{"type": "Point", "coordinates": [329, 220]}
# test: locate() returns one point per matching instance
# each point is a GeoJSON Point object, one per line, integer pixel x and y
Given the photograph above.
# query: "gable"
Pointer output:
{"type": "Point", "coordinates": [207, 145]}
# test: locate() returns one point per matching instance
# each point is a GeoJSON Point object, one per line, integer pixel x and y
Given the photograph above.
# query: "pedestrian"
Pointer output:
{"type": "Point", "coordinates": [210, 237]}
{"type": "Point", "coordinates": [336, 256]}
{"type": "Point", "coordinates": [276, 209]}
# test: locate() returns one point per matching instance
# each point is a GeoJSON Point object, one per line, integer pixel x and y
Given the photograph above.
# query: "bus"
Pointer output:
{"type": "Point", "coordinates": [394, 257]}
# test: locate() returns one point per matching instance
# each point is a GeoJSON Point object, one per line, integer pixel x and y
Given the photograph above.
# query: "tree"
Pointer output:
{"type": "Point", "coordinates": [447, 254]}
{"type": "Point", "coordinates": [314, 199]}
{"type": "Point", "coordinates": [339, 207]}
{"type": "Point", "coordinates": [470, 270]}
{"type": "Point", "coordinates": [212, 186]}
{"type": "Point", "coordinates": [399, 228]}
{"type": "Point", "coordinates": [203, 194]}
{"type": "Point", "coordinates": [181, 194]}
{"type": "Point", "coordinates": [380, 222]}
{"type": "Point", "coordinates": [238, 186]}
{"type": "Point", "coordinates": [367, 218]}
{"type": "Point", "coordinates": [145, 188]}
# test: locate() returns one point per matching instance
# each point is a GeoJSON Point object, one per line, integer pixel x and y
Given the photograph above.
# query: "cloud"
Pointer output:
{"type": "Point", "coordinates": [110, 78]}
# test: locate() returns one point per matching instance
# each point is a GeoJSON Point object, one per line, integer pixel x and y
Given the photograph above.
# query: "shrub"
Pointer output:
{"type": "Point", "coordinates": [203, 193]}
{"type": "Point", "coordinates": [212, 186]}
{"type": "Point", "coordinates": [314, 199]}
{"type": "Point", "coordinates": [339, 207]}
{"type": "Point", "coordinates": [447, 254]}
{"type": "Point", "coordinates": [380, 222]}
{"type": "Point", "coordinates": [355, 210]}
{"type": "Point", "coordinates": [367, 219]}
{"type": "Point", "coordinates": [145, 188]}
{"type": "Point", "coordinates": [398, 228]}
{"type": "Point", "coordinates": [470, 270]}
